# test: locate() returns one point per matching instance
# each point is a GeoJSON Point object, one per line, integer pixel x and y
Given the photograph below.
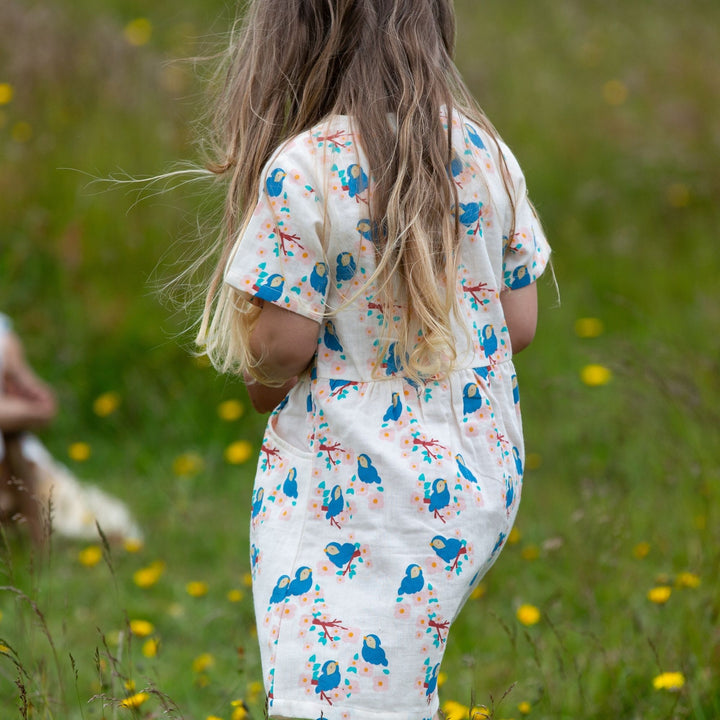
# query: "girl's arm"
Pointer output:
{"type": "Point", "coordinates": [285, 343]}
{"type": "Point", "coordinates": [520, 308]}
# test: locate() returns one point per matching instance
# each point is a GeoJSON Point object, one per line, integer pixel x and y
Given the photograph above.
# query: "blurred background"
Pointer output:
{"type": "Point", "coordinates": [606, 602]}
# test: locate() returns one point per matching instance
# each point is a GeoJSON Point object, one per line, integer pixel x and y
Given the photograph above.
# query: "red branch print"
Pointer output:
{"type": "Point", "coordinates": [270, 452]}
{"type": "Point", "coordinates": [286, 237]}
{"type": "Point", "coordinates": [329, 449]}
{"type": "Point", "coordinates": [439, 626]}
{"type": "Point", "coordinates": [427, 445]}
{"type": "Point", "coordinates": [334, 139]}
{"type": "Point", "coordinates": [480, 288]}
{"type": "Point", "coordinates": [325, 624]}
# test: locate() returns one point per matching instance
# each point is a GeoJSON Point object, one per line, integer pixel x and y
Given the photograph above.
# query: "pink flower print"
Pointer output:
{"type": "Point", "coordinates": [387, 434]}
{"type": "Point", "coordinates": [401, 611]}
{"type": "Point", "coordinates": [288, 610]}
{"type": "Point", "coordinates": [376, 502]}
{"type": "Point", "coordinates": [433, 565]}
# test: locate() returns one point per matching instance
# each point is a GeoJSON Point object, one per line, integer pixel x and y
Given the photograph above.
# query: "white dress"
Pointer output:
{"type": "Point", "coordinates": [378, 503]}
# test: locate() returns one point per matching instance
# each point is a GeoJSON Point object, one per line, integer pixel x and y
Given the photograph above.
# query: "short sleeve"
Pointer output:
{"type": "Point", "coordinates": [527, 253]}
{"type": "Point", "coordinates": [279, 256]}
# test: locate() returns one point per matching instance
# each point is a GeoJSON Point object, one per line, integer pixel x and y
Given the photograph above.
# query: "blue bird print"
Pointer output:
{"type": "Point", "coordinates": [520, 278]}
{"type": "Point", "coordinates": [439, 498]}
{"type": "Point", "coordinates": [456, 166]}
{"type": "Point", "coordinates": [395, 410]}
{"type": "Point", "coordinates": [346, 266]}
{"type": "Point", "coordinates": [448, 549]}
{"type": "Point", "coordinates": [509, 493]}
{"type": "Point", "coordinates": [431, 683]}
{"type": "Point", "coordinates": [499, 543]}
{"type": "Point", "coordinates": [290, 484]}
{"type": "Point", "coordinates": [472, 398]}
{"type": "Point", "coordinates": [483, 373]}
{"type": "Point", "coordinates": [274, 182]}
{"type": "Point", "coordinates": [270, 288]}
{"type": "Point", "coordinates": [367, 472]}
{"type": "Point", "coordinates": [301, 583]}
{"type": "Point", "coordinates": [475, 139]}
{"type": "Point", "coordinates": [391, 361]}
{"type": "Point", "coordinates": [518, 461]}
{"type": "Point", "coordinates": [489, 341]}
{"type": "Point", "coordinates": [464, 470]}
{"type": "Point", "coordinates": [357, 181]}
{"type": "Point", "coordinates": [365, 228]}
{"type": "Point", "coordinates": [319, 277]}
{"type": "Point", "coordinates": [372, 651]}
{"type": "Point", "coordinates": [328, 680]}
{"type": "Point", "coordinates": [257, 502]}
{"type": "Point", "coordinates": [515, 389]}
{"type": "Point", "coordinates": [413, 582]}
{"type": "Point", "coordinates": [330, 337]}
{"type": "Point", "coordinates": [470, 215]}
{"type": "Point", "coordinates": [342, 555]}
{"type": "Point", "coordinates": [335, 506]}
{"type": "Point", "coordinates": [280, 591]}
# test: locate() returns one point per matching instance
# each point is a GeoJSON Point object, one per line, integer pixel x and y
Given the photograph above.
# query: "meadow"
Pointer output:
{"type": "Point", "coordinates": [606, 602]}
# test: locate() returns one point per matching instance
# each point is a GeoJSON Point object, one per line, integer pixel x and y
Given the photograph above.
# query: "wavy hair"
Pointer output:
{"type": "Point", "coordinates": [293, 63]}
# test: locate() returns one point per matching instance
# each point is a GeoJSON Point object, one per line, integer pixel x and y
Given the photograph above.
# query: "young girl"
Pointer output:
{"type": "Point", "coordinates": [378, 275]}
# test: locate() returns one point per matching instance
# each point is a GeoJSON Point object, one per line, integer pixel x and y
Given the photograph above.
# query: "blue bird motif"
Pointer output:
{"type": "Point", "coordinates": [357, 181]}
{"type": "Point", "coordinates": [439, 498]}
{"type": "Point", "coordinates": [472, 398]}
{"type": "Point", "coordinates": [335, 506]}
{"type": "Point", "coordinates": [520, 278]}
{"type": "Point", "coordinates": [518, 461]}
{"type": "Point", "coordinates": [365, 228]}
{"type": "Point", "coordinates": [489, 341]}
{"type": "Point", "coordinates": [509, 494]}
{"type": "Point", "coordinates": [372, 652]}
{"type": "Point", "coordinates": [319, 277]}
{"type": "Point", "coordinates": [515, 389]}
{"type": "Point", "coordinates": [367, 472]}
{"type": "Point", "coordinates": [328, 679]}
{"type": "Point", "coordinates": [395, 410]}
{"type": "Point", "coordinates": [431, 682]}
{"type": "Point", "coordinates": [391, 363]}
{"type": "Point", "coordinates": [280, 591]}
{"type": "Point", "coordinates": [342, 555]}
{"type": "Point", "coordinates": [274, 182]}
{"type": "Point", "coordinates": [499, 543]}
{"type": "Point", "coordinates": [483, 373]}
{"type": "Point", "coordinates": [330, 337]}
{"type": "Point", "coordinates": [290, 484]}
{"type": "Point", "coordinates": [301, 583]}
{"type": "Point", "coordinates": [270, 288]}
{"type": "Point", "coordinates": [464, 470]}
{"type": "Point", "coordinates": [456, 166]}
{"type": "Point", "coordinates": [346, 266]}
{"type": "Point", "coordinates": [475, 139]}
{"type": "Point", "coordinates": [448, 549]}
{"type": "Point", "coordinates": [413, 582]}
{"type": "Point", "coordinates": [470, 215]}
{"type": "Point", "coordinates": [257, 502]}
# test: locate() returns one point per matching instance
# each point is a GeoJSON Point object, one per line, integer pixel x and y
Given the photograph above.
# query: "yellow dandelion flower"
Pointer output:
{"type": "Point", "coordinates": [4, 650]}
{"type": "Point", "coordinates": [455, 711]}
{"type": "Point", "coordinates": [21, 131]}
{"type": "Point", "coordinates": [479, 713]}
{"type": "Point", "coordinates": [150, 647]}
{"type": "Point", "coordinates": [528, 614]}
{"type": "Point", "coordinates": [247, 580]}
{"type": "Point", "coordinates": [615, 92]}
{"type": "Point", "coordinates": [148, 576]}
{"type": "Point", "coordinates": [90, 555]}
{"type": "Point", "coordinates": [231, 410]}
{"type": "Point", "coordinates": [240, 711]}
{"type": "Point", "coordinates": [213, 717]}
{"type": "Point", "coordinates": [514, 536]}
{"type": "Point", "coordinates": [187, 464]}
{"type": "Point", "coordinates": [238, 452]}
{"type": "Point", "coordinates": [135, 701]}
{"type": "Point", "coordinates": [6, 93]}
{"type": "Point", "coordinates": [479, 592]}
{"type": "Point", "coordinates": [203, 662]}
{"type": "Point", "coordinates": [589, 327]}
{"type": "Point", "coordinates": [687, 580]}
{"type": "Point", "coordinates": [672, 681]}
{"type": "Point", "coordinates": [133, 545]}
{"type": "Point", "coordinates": [524, 708]}
{"type": "Point", "coordinates": [530, 552]}
{"type": "Point", "coordinates": [235, 595]}
{"type": "Point", "coordinates": [641, 550]}
{"type": "Point", "coordinates": [141, 628]}
{"type": "Point", "coordinates": [138, 32]}
{"type": "Point", "coordinates": [106, 404]}
{"type": "Point", "coordinates": [441, 678]}
{"type": "Point", "coordinates": [660, 594]}
{"type": "Point", "coordinates": [197, 588]}
{"type": "Point", "coordinates": [79, 451]}
{"type": "Point", "coordinates": [255, 689]}
{"type": "Point", "coordinates": [595, 375]}
{"type": "Point", "coordinates": [129, 685]}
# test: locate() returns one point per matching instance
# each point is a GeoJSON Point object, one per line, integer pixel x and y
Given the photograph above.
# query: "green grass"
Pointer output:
{"type": "Point", "coordinates": [611, 109]}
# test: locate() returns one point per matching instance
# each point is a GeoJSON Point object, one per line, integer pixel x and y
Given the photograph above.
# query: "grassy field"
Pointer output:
{"type": "Point", "coordinates": [611, 585]}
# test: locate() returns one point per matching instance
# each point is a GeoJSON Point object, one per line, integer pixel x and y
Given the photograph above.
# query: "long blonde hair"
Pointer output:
{"type": "Point", "coordinates": [293, 63]}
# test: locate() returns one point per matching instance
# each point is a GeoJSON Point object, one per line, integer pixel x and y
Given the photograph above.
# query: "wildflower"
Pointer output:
{"type": "Point", "coordinates": [514, 536]}
{"type": "Point", "coordinates": [150, 647]}
{"type": "Point", "coordinates": [660, 594]}
{"type": "Point", "coordinates": [479, 713]}
{"type": "Point", "coordinates": [213, 717]}
{"type": "Point", "coordinates": [240, 711]}
{"type": "Point", "coordinates": [247, 580]}
{"type": "Point", "coordinates": [203, 662]}
{"type": "Point", "coordinates": [615, 92]}
{"type": "Point", "coordinates": [133, 545]}
{"type": "Point", "coordinates": [589, 327]}
{"type": "Point", "coordinates": [134, 701]}
{"type": "Point", "coordinates": [254, 690]}
{"type": "Point", "coordinates": [231, 410]}
{"type": "Point", "coordinates": [148, 576]}
{"type": "Point", "coordinates": [530, 552]}
{"type": "Point", "coordinates": [79, 451]}
{"type": "Point", "coordinates": [187, 464]}
{"type": "Point", "coordinates": [595, 375]}
{"type": "Point", "coordinates": [106, 404]}
{"type": "Point", "coordinates": [455, 710]}
{"type": "Point", "coordinates": [90, 556]}
{"type": "Point", "coordinates": [197, 588]}
{"type": "Point", "coordinates": [641, 550]}
{"type": "Point", "coordinates": [671, 681]}
{"type": "Point", "coordinates": [141, 628]}
{"type": "Point", "coordinates": [138, 32]}
{"type": "Point", "coordinates": [4, 650]}
{"type": "Point", "coordinates": [524, 708]}
{"type": "Point", "coordinates": [479, 591]}
{"type": "Point", "coordinates": [528, 614]}
{"type": "Point", "coordinates": [6, 93]}
{"type": "Point", "coordinates": [235, 595]}
{"type": "Point", "coordinates": [687, 580]}
{"type": "Point", "coordinates": [238, 452]}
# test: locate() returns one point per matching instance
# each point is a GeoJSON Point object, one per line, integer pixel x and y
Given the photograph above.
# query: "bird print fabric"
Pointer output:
{"type": "Point", "coordinates": [379, 503]}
